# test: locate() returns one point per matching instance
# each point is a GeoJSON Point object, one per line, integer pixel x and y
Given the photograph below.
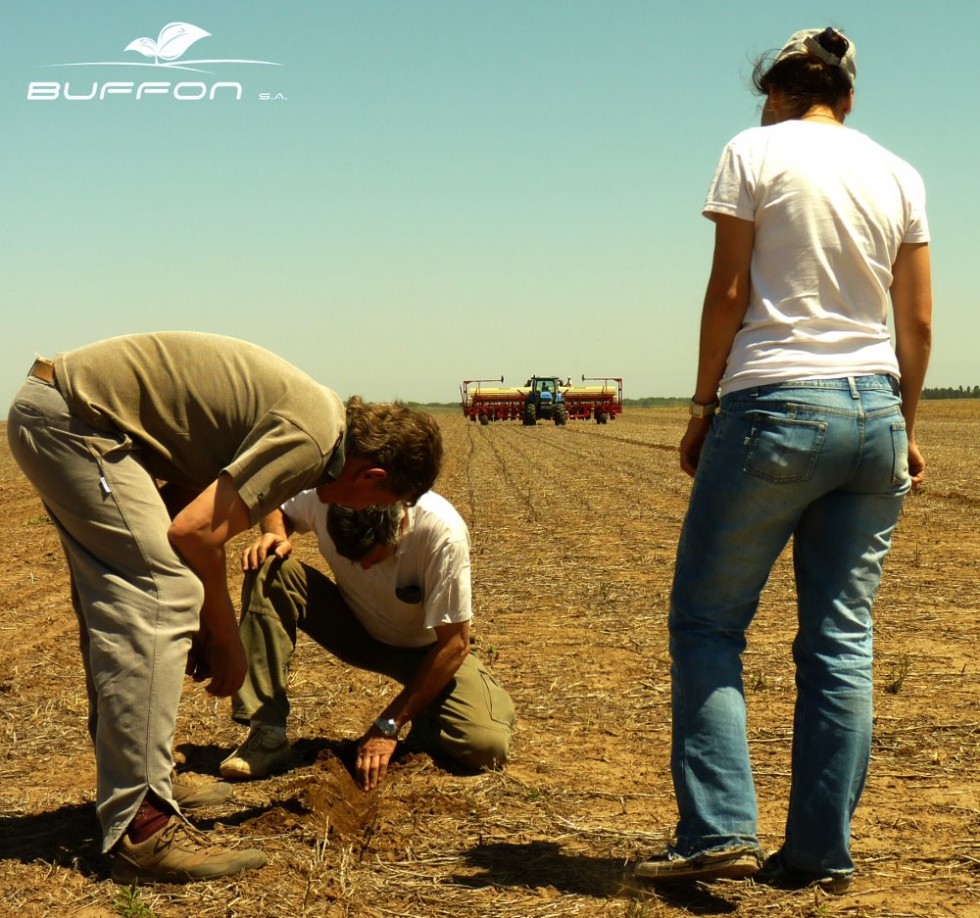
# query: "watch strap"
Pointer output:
{"type": "Point", "coordinates": [700, 410]}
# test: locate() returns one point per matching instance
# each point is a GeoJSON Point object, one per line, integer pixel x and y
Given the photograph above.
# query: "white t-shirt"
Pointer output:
{"type": "Point", "coordinates": [433, 556]}
{"type": "Point", "coordinates": [831, 208]}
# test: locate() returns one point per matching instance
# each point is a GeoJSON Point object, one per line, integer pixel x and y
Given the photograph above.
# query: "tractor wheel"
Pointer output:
{"type": "Point", "coordinates": [530, 415]}
{"type": "Point", "coordinates": [484, 420]}
{"type": "Point", "coordinates": [600, 417]}
{"type": "Point", "coordinates": [561, 416]}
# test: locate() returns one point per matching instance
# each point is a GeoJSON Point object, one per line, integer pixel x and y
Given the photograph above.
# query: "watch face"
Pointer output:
{"type": "Point", "coordinates": [387, 726]}
{"type": "Point", "coordinates": [702, 411]}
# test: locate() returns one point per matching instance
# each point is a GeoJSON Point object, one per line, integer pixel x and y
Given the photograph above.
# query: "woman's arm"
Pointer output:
{"type": "Point", "coordinates": [911, 294]}
{"type": "Point", "coordinates": [725, 302]}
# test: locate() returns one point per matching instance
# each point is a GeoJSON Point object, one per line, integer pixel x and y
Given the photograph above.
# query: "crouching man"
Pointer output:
{"type": "Point", "coordinates": [401, 607]}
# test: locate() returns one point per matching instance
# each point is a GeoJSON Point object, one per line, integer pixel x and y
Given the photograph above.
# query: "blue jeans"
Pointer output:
{"type": "Point", "coordinates": [825, 462]}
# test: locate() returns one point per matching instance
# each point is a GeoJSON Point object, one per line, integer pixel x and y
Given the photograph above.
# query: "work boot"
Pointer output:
{"type": "Point", "coordinates": [179, 853]}
{"type": "Point", "coordinates": [190, 792]}
{"type": "Point", "coordinates": [265, 751]}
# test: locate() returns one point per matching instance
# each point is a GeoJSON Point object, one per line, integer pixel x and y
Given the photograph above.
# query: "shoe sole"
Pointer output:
{"type": "Point", "coordinates": [729, 867]}
{"type": "Point", "coordinates": [236, 774]}
{"type": "Point", "coordinates": [232, 772]}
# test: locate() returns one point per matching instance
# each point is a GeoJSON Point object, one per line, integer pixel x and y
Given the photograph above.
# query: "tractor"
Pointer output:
{"type": "Point", "coordinates": [542, 398]}
{"type": "Point", "coordinates": [545, 401]}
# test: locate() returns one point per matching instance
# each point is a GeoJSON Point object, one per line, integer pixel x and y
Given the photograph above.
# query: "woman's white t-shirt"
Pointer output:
{"type": "Point", "coordinates": [831, 208]}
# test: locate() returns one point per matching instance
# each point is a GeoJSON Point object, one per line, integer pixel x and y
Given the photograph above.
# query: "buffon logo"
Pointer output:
{"type": "Point", "coordinates": [164, 53]}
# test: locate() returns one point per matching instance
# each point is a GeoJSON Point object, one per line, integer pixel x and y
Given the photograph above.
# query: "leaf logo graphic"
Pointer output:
{"type": "Point", "coordinates": [174, 39]}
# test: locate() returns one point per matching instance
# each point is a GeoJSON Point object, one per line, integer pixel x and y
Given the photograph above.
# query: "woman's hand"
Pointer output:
{"type": "Point", "coordinates": [917, 465]}
{"type": "Point", "coordinates": [693, 442]}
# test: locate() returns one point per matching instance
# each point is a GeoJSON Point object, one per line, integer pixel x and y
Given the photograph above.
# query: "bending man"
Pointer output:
{"type": "Point", "coordinates": [237, 430]}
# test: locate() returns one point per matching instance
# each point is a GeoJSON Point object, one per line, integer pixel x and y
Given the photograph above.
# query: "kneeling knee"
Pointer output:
{"type": "Point", "coordinates": [484, 749]}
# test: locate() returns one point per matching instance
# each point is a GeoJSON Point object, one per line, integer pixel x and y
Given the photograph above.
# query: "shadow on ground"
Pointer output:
{"type": "Point", "coordinates": [541, 864]}
{"type": "Point", "coordinates": [205, 759]}
{"type": "Point", "coordinates": [68, 836]}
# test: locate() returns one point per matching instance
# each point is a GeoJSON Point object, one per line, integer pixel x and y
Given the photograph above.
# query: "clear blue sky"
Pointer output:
{"type": "Point", "coordinates": [448, 190]}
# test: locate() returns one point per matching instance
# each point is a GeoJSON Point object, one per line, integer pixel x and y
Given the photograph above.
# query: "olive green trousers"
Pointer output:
{"type": "Point", "coordinates": [470, 722]}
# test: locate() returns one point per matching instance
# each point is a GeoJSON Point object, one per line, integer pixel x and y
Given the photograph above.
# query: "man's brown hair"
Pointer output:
{"type": "Point", "coordinates": [406, 443]}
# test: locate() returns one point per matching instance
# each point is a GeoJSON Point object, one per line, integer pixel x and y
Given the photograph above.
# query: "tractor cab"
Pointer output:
{"type": "Point", "coordinates": [544, 401]}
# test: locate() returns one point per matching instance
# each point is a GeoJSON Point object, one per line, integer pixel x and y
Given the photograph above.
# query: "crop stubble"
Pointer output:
{"type": "Point", "coordinates": [573, 533]}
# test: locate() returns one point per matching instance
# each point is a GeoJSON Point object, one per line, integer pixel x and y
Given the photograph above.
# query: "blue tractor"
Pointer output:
{"type": "Point", "coordinates": [545, 401]}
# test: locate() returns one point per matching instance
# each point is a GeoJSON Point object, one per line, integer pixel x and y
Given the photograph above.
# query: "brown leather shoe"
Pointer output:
{"type": "Point", "coordinates": [179, 853]}
{"type": "Point", "coordinates": [190, 792]}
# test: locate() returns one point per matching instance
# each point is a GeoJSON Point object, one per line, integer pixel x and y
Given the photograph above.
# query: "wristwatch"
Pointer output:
{"type": "Point", "coordinates": [388, 727]}
{"type": "Point", "coordinates": [697, 410]}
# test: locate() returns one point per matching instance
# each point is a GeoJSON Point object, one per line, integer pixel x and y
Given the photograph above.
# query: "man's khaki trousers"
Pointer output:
{"type": "Point", "coordinates": [137, 603]}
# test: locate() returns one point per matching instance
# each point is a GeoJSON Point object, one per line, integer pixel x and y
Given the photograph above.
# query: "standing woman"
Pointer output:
{"type": "Point", "coordinates": [803, 426]}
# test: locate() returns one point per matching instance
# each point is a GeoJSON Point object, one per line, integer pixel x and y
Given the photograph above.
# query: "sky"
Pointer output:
{"type": "Point", "coordinates": [410, 193]}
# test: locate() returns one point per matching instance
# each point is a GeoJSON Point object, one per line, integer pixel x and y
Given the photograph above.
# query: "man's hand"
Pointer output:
{"type": "Point", "coordinates": [374, 751]}
{"type": "Point", "coordinates": [198, 667]}
{"type": "Point", "coordinates": [223, 662]}
{"type": "Point", "coordinates": [269, 543]}
{"type": "Point", "coordinates": [440, 664]}
{"type": "Point", "coordinates": [227, 664]}
{"type": "Point", "coordinates": [199, 533]}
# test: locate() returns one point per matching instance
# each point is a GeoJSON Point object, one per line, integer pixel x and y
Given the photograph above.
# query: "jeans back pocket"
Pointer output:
{"type": "Point", "coordinates": [783, 450]}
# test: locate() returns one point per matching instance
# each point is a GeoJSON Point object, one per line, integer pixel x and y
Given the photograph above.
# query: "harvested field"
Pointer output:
{"type": "Point", "coordinates": [573, 532]}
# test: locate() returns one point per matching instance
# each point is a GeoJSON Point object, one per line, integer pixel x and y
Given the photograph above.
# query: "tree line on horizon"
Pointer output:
{"type": "Point", "coordinates": [951, 392]}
